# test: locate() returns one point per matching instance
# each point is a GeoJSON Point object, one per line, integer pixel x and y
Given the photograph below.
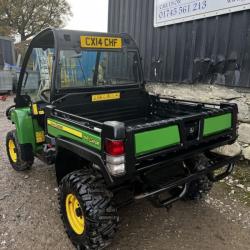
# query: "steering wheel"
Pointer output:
{"type": "Point", "coordinates": [43, 96]}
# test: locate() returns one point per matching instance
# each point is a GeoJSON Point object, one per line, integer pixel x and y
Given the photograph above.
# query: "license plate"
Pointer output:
{"type": "Point", "coordinates": [105, 97]}
{"type": "Point", "coordinates": [101, 42]}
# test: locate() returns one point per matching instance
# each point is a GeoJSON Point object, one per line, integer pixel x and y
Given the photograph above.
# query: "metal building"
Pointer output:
{"type": "Point", "coordinates": [7, 64]}
{"type": "Point", "coordinates": [210, 50]}
{"type": "Point", "coordinates": [7, 54]}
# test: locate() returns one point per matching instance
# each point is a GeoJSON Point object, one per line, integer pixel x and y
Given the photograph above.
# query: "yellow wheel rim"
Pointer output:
{"type": "Point", "coordinates": [12, 150]}
{"type": "Point", "coordinates": [75, 214]}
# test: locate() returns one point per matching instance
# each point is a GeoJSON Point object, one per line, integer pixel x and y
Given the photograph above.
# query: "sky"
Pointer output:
{"type": "Point", "coordinates": [89, 15]}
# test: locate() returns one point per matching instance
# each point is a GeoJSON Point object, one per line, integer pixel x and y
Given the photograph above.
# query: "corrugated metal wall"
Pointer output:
{"type": "Point", "coordinates": [211, 50]}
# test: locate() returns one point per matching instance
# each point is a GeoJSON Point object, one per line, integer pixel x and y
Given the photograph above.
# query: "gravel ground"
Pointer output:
{"type": "Point", "coordinates": [29, 217]}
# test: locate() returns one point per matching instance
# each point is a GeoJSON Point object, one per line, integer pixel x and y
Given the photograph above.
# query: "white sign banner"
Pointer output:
{"type": "Point", "coordinates": [167, 12]}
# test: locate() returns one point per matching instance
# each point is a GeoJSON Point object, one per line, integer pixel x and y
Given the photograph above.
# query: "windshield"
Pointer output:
{"type": "Point", "coordinates": [98, 68]}
{"type": "Point", "coordinates": [37, 79]}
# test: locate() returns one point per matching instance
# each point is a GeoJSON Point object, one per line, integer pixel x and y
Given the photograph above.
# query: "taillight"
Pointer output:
{"type": "Point", "coordinates": [114, 147]}
{"type": "Point", "coordinates": [115, 159]}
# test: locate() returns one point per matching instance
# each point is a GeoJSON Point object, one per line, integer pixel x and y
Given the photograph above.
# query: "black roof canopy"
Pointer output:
{"type": "Point", "coordinates": [62, 39]}
{"type": "Point", "coordinates": [70, 39]}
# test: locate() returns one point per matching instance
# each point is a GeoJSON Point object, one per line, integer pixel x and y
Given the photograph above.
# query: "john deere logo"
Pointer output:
{"type": "Point", "coordinates": [191, 130]}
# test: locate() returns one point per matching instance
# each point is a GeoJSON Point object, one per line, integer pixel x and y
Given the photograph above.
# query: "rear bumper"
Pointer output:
{"type": "Point", "coordinates": [228, 162]}
{"type": "Point", "coordinates": [135, 167]}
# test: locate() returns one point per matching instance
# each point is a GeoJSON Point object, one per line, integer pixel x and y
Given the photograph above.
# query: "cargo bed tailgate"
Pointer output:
{"type": "Point", "coordinates": [217, 123]}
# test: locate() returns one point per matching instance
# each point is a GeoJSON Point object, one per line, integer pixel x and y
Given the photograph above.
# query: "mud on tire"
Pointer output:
{"type": "Point", "coordinates": [101, 219]}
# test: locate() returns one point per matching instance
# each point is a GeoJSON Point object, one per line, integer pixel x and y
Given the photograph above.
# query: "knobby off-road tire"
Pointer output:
{"type": "Point", "coordinates": [198, 189]}
{"type": "Point", "coordinates": [96, 218]}
{"type": "Point", "coordinates": [15, 154]}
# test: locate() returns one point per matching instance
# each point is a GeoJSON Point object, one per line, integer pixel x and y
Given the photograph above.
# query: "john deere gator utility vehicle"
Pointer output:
{"type": "Point", "coordinates": [81, 105]}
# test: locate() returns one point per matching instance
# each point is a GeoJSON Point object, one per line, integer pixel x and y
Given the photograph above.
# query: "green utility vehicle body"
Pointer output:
{"type": "Point", "coordinates": [81, 104]}
{"type": "Point", "coordinates": [123, 111]}
{"type": "Point", "coordinates": [28, 129]}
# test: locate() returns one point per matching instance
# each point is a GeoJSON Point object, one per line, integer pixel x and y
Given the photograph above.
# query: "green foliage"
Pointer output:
{"type": "Point", "coordinates": [28, 17]}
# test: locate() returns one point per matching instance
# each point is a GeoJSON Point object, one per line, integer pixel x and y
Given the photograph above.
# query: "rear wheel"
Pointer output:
{"type": "Point", "coordinates": [199, 188]}
{"type": "Point", "coordinates": [89, 217]}
{"type": "Point", "coordinates": [14, 153]}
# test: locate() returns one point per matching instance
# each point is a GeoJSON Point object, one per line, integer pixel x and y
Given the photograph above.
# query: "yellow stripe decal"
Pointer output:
{"type": "Point", "coordinates": [105, 97]}
{"type": "Point", "coordinates": [65, 128]}
{"type": "Point", "coordinates": [40, 136]}
{"type": "Point", "coordinates": [35, 109]}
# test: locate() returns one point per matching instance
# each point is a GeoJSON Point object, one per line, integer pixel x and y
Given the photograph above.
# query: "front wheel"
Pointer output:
{"type": "Point", "coordinates": [15, 153]}
{"type": "Point", "coordinates": [89, 217]}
